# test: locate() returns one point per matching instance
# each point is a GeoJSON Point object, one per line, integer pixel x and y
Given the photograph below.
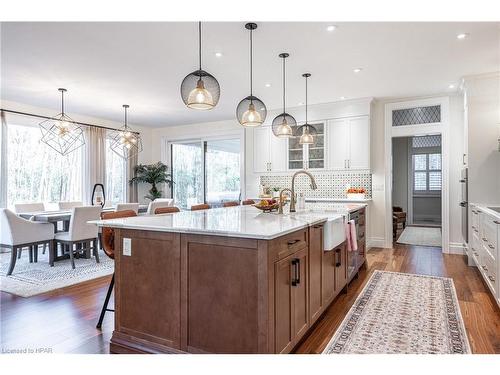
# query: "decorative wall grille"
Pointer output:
{"type": "Point", "coordinates": [418, 115]}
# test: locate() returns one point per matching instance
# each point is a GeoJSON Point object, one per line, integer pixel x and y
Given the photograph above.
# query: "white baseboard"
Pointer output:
{"type": "Point", "coordinates": [456, 248]}
{"type": "Point", "coordinates": [375, 242]}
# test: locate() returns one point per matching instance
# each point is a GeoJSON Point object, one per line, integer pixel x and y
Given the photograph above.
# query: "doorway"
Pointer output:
{"type": "Point", "coordinates": [416, 190]}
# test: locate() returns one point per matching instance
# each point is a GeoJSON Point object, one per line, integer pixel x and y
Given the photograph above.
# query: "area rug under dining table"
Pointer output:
{"type": "Point", "coordinates": [400, 313]}
{"type": "Point", "coordinates": [29, 279]}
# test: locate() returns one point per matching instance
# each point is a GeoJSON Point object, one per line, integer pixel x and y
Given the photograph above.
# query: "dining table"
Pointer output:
{"type": "Point", "coordinates": [64, 217]}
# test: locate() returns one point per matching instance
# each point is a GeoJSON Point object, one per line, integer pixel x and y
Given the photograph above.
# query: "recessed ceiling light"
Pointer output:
{"type": "Point", "coordinates": [218, 54]}
{"type": "Point", "coordinates": [451, 86]}
{"type": "Point", "coordinates": [268, 85]}
{"type": "Point", "coordinates": [331, 28]}
{"type": "Point", "coordinates": [462, 36]}
{"type": "Point", "coordinates": [342, 98]}
{"type": "Point", "coordinates": [357, 70]}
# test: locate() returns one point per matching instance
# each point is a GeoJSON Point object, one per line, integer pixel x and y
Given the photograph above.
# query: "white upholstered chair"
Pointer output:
{"type": "Point", "coordinates": [28, 207]}
{"type": "Point", "coordinates": [17, 233]}
{"type": "Point", "coordinates": [68, 205]}
{"type": "Point", "coordinates": [127, 206]}
{"type": "Point", "coordinates": [80, 236]}
{"type": "Point", "coordinates": [157, 203]}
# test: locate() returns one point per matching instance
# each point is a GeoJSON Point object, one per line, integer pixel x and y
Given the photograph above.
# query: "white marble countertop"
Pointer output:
{"type": "Point", "coordinates": [487, 208]}
{"type": "Point", "coordinates": [239, 221]}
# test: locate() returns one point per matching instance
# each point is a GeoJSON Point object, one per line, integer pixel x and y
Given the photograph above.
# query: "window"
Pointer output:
{"type": "Point", "coordinates": [37, 173]}
{"type": "Point", "coordinates": [427, 173]}
{"type": "Point", "coordinates": [116, 177]}
{"type": "Point", "coordinates": [415, 116]}
{"type": "Point", "coordinates": [206, 172]}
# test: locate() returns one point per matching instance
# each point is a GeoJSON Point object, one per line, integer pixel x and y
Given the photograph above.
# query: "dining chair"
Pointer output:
{"type": "Point", "coordinates": [157, 204]}
{"type": "Point", "coordinates": [28, 208]}
{"type": "Point", "coordinates": [127, 206]}
{"type": "Point", "coordinates": [248, 202]}
{"type": "Point", "coordinates": [108, 245]}
{"type": "Point", "coordinates": [230, 204]}
{"type": "Point", "coordinates": [17, 233]}
{"type": "Point", "coordinates": [68, 205]}
{"type": "Point", "coordinates": [166, 210]}
{"type": "Point", "coordinates": [198, 207]}
{"type": "Point", "coordinates": [80, 236]}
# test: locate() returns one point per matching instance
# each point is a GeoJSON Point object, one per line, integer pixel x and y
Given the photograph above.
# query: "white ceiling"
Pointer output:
{"type": "Point", "coordinates": [104, 65]}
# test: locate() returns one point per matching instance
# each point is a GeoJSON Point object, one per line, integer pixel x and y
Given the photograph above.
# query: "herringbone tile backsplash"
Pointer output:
{"type": "Point", "coordinates": [331, 184]}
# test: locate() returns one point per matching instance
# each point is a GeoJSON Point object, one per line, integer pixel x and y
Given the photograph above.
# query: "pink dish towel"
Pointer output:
{"type": "Point", "coordinates": [350, 233]}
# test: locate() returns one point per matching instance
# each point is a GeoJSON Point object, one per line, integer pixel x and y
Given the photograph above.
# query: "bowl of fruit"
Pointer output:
{"type": "Point", "coordinates": [356, 193]}
{"type": "Point", "coordinates": [267, 205]}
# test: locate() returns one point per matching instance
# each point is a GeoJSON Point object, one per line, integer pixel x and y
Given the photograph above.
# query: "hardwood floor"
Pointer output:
{"type": "Point", "coordinates": [64, 321]}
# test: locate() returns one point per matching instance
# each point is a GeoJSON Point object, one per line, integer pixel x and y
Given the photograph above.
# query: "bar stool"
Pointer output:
{"type": "Point", "coordinates": [108, 245]}
{"type": "Point", "coordinates": [248, 202]}
{"type": "Point", "coordinates": [198, 207]}
{"type": "Point", "coordinates": [230, 204]}
{"type": "Point", "coordinates": [166, 210]}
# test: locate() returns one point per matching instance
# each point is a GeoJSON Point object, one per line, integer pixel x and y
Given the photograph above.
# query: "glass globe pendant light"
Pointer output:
{"type": "Point", "coordinates": [251, 111]}
{"type": "Point", "coordinates": [199, 89]}
{"type": "Point", "coordinates": [61, 132]}
{"type": "Point", "coordinates": [125, 142]}
{"type": "Point", "coordinates": [283, 124]}
{"type": "Point", "coordinates": [306, 131]}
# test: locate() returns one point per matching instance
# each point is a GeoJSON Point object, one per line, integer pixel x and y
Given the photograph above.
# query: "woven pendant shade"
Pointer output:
{"type": "Point", "coordinates": [306, 132]}
{"type": "Point", "coordinates": [199, 89]}
{"type": "Point", "coordinates": [284, 124]}
{"type": "Point", "coordinates": [251, 111]}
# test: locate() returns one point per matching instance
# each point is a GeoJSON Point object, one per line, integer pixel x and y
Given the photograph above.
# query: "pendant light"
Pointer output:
{"type": "Point", "coordinates": [125, 142]}
{"type": "Point", "coordinates": [283, 124]}
{"type": "Point", "coordinates": [61, 132]}
{"type": "Point", "coordinates": [251, 111]}
{"type": "Point", "coordinates": [306, 131]}
{"type": "Point", "coordinates": [199, 89]}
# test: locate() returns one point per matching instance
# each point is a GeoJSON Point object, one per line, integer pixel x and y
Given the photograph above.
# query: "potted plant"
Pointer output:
{"type": "Point", "coordinates": [152, 174]}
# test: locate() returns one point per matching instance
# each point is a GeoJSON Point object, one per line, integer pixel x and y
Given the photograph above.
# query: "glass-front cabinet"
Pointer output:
{"type": "Point", "coordinates": [307, 156]}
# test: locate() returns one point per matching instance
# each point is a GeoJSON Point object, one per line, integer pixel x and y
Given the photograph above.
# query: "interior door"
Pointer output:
{"type": "Point", "coordinates": [359, 143]}
{"type": "Point", "coordinates": [261, 149]}
{"type": "Point", "coordinates": [338, 146]}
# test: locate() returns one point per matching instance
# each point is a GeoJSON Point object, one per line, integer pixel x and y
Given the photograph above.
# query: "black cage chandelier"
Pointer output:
{"type": "Point", "coordinates": [251, 111]}
{"type": "Point", "coordinates": [199, 89]}
{"type": "Point", "coordinates": [283, 124]}
{"type": "Point", "coordinates": [62, 133]}
{"type": "Point", "coordinates": [125, 142]}
{"type": "Point", "coordinates": [306, 131]}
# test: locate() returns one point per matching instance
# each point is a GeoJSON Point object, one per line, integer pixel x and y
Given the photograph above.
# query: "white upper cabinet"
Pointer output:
{"type": "Point", "coordinates": [269, 151]}
{"type": "Point", "coordinates": [349, 143]}
{"type": "Point", "coordinates": [359, 143]}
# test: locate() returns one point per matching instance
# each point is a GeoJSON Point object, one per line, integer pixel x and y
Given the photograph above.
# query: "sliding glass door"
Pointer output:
{"type": "Point", "coordinates": [206, 171]}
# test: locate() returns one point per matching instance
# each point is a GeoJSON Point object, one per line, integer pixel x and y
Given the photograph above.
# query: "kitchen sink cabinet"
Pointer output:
{"type": "Point", "coordinates": [291, 300]}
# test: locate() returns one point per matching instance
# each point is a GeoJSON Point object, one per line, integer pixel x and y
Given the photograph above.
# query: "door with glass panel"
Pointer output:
{"type": "Point", "coordinates": [206, 171]}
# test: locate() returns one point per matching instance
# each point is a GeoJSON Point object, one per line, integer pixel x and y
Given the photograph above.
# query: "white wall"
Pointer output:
{"type": "Point", "coordinates": [144, 156]}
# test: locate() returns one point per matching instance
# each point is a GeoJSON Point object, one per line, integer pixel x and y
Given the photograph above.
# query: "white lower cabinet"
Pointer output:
{"type": "Point", "coordinates": [484, 237]}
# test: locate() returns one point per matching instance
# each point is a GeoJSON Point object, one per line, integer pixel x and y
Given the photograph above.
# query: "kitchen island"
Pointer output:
{"type": "Point", "coordinates": [224, 280]}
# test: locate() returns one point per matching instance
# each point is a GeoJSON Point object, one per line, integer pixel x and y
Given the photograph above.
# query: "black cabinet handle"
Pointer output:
{"type": "Point", "coordinates": [337, 258]}
{"type": "Point", "coordinates": [297, 264]}
{"type": "Point", "coordinates": [294, 276]}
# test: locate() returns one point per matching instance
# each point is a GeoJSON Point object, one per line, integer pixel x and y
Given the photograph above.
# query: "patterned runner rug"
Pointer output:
{"type": "Point", "coordinates": [400, 313]}
{"type": "Point", "coordinates": [29, 279]}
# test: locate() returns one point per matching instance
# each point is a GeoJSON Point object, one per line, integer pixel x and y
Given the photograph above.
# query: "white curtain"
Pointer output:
{"type": "Point", "coordinates": [3, 160]}
{"type": "Point", "coordinates": [132, 190]}
{"type": "Point", "coordinates": [95, 161]}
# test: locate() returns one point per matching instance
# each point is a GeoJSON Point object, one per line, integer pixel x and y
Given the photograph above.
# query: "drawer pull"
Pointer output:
{"type": "Point", "coordinates": [485, 268]}
{"type": "Point", "coordinates": [337, 258]}
{"type": "Point", "coordinates": [491, 246]}
{"type": "Point", "coordinates": [485, 239]}
{"type": "Point", "coordinates": [491, 278]}
{"type": "Point", "coordinates": [294, 277]}
{"type": "Point", "coordinates": [292, 242]}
